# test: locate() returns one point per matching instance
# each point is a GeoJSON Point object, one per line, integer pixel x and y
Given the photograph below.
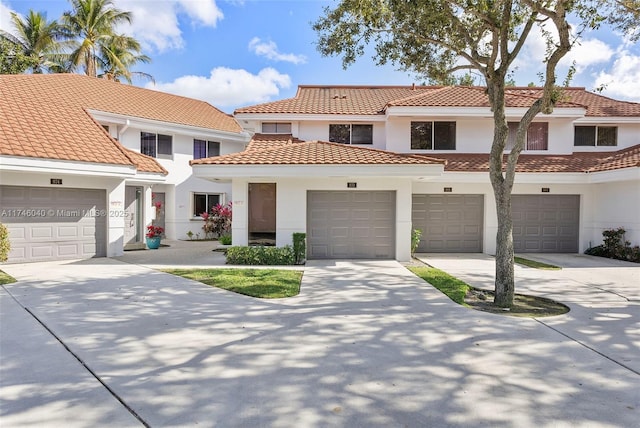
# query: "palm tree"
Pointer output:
{"type": "Point", "coordinates": [117, 54]}
{"type": "Point", "coordinates": [38, 38]}
{"type": "Point", "coordinates": [92, 22]}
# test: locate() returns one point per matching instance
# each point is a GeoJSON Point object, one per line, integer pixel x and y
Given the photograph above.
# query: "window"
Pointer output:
{"type": "Point", "coordinates": [203, 202]}
{"type": "Point", "coordinates": [433, 135]}
{"type": "Point", "coordinates": [595, 136]}
{"type": "Point", "coordinates": [537, 136]}
{"type": "Point", "coordinates": [351, 134]}
{"type": "Point", "coordinates": [205, 149]}
{"type": "Point", "coordinates": [156, 145]}
{"type": "Point", "coordinates": [276, 127]}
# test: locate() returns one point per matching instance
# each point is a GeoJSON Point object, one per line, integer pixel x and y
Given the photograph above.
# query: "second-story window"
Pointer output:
{"type": "Point", "coordinates": [433, 135]}
{"type": "Point", "coordinates": [351, 134]}
{"type": "Point", "coordinates": [537, 136]}
{"type": "Point", "coordinates": [595, 136]}
{"type": "Point", "coordinates": [205, 149]}
{"type": "Point", "coordinates": [276, 127]}
{"type": "Point", "coordinates": [156, 145]}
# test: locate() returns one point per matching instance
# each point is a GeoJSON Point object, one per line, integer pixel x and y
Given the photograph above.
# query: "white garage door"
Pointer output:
{"type": "Point", "coordinates": [449, 223]}
{"type": "Point", "coordinates": [48, 223]}
{"type": "Point", "coordinates": [351, 225]}
{"type": "Point", "coordinates": [545, 223]}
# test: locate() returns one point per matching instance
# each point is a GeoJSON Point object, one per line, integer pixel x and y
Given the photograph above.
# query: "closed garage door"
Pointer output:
{"type": "Point", "coordinates": [545, 223]}
{"type": "Point", "coordinates": [47, 223]}
{"type": "Point", "coordinates": [449, 223]}
{"type": "Point", "coordinates": [351, 225]}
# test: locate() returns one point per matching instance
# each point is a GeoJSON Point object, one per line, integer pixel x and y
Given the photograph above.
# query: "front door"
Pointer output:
{"type": "Point", "coordinates": [262, 213]}
{"type": "Point", "coordinates": [133, 215]}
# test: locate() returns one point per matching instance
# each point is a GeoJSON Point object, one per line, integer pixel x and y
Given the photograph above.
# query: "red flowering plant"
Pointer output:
{"type": "Point", "coordinates": [154, 231]}
{"type": "Point", "coordinates": [217, 222]}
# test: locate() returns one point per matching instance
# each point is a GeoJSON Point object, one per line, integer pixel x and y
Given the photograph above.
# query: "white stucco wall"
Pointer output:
{"type": "Point", "coordinates": [180, 184]}
{"type": "Point", "coordinates": [615, 205]}
{"type": "Point", "coordinates": [291, 206]}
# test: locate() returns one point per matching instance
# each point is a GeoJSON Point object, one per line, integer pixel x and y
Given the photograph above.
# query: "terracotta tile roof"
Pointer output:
{"type": "Point", "coordinates": [317, 153]}
{"type": "Point", "coordinates": [469, 96]}
{"type": "Point", "coordinates": [360, 100]}
{"type": "Point", "coordinates": [373, 100]}
{"type": "Point", "coordinates": [145, 163]}
{"type": "Point", "coordinates": [45, 116]}
{"type": "Point", "coordinates": [577, 162]}
{"type": "Point", "coordinates": [269, 141]}
{"type": "Point", "coordinates": [627, 158]}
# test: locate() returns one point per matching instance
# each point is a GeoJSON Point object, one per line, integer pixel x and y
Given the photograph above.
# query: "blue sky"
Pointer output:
{"type": "Point", "coordinates": [233, 53]}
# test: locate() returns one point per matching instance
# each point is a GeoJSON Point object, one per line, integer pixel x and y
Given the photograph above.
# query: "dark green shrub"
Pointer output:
{"type": "Point", "coordinates": [299, 247]}
{"type": "Point", "coordinates": [260, 255]}
{"type": "Point", "coordinates": [615, 247]}
{"type": "Point", "coordinates": [225, 240]}
{"type": "Point", "coordinates": [5, 245]}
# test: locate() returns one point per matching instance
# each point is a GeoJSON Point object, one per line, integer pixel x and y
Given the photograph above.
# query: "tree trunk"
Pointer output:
{"type": "Point", "coordinates": [505, 281]}
{"type": "Point", "coordinates": [502, 186]}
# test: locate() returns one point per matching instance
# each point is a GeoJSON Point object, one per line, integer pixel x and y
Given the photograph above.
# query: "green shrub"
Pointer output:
{"type": "Point", "coordinates": [415, 240]}
{"type": "Point", "coordinates": [615, 247]}
{"type": "Point", "coordinates": [225, 240]}
{"type": "Point", "coordinates": [260, 255]}
{"type": "Point", "coordinates": [299, 248]}
{"type": "Point", "coordinates": [5, 245]}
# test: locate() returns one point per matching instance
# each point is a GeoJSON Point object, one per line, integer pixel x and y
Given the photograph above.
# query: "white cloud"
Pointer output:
{"type": "Point", "coordinates": [587, 53]}
{"type": "Point", "coordinates": [270, 50]}
{"type": "Point", "coordinates": [226, 87]}
{"type": "Point", "coordinates": [623, 79]}
{"type": "Point", "coordinates": [5, 18]}
{"type": "Point", "coordinates": [156, 25]}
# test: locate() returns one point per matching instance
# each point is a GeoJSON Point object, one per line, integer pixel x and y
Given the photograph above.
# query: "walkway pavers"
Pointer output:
{"type": "Point", "coordinates": [364, 344]}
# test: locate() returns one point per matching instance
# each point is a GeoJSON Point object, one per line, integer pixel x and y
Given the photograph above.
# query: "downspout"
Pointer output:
{"type": "Point", "coordinates": [121, 131]}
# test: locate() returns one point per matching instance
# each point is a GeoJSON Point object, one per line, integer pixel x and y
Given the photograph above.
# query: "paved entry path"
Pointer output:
{"type": "Point", "coordinates": [365, 344]}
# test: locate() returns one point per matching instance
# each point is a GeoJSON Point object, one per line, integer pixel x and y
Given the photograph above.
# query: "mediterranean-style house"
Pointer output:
{"type": "Point", "coordinates": [358, 167]}
{"type": "Point", "coordinates": [86, 164]}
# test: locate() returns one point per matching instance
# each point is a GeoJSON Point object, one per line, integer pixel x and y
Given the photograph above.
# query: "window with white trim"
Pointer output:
{"type": "Point", "coordinates": [276, 127]}
{"type": "Point", "coordinates": [537, 136]}
{"type": "Point", "coordinates": [595, 136]}
{"type": "Point", "coordinates": [156, 145]}
{"type": "Point", "coordinates": [205, 149]}
{"type": "Point", "coordinates": [433, 135]}
{"type": "Point", "coordinates": [203, 202]}
{"type": "Point", "coordinates": [351, 133]}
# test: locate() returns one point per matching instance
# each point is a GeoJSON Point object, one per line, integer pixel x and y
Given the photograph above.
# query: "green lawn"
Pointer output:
{"type": "Point", "coordinates": [449, 285]}
{"type": "Point", "coordinates": [262, 283]}
{"type": "Point", "coordinates": [6, 278]}
{"type": "Point", "coordinates": [535, 264]}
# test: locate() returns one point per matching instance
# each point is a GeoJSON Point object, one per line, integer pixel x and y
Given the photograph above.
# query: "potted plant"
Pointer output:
{"type": "Point", "coordinates": [154, 235]}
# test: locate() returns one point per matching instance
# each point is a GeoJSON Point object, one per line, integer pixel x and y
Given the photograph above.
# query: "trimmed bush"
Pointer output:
{"type": "Point", "coordinates": [5, 245]}
{"type": "Point", "coordinates": [225, 240]}
{"type": "Point", "coordinates": [299, 248]}
{"type": "Point", "coordinates": [615, 247]}
{"type": "Point", "coordinates": [260, 255]}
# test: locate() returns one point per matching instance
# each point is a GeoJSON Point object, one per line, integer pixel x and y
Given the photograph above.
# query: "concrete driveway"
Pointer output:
{"type": "Point", "coordinates": [364, 344]}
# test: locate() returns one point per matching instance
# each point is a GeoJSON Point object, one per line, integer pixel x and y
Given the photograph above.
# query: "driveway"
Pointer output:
{"type": "Point", "coordinates": [364, 344]}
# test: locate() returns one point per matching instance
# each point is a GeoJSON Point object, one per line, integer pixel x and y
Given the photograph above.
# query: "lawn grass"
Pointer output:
{"type": "Point", "coordinates": [535, 264]}
{"type": "Point", "coordinates": [262, 283]}
{"type": "Point", "coordinates": [455, 289]}
{"type": "Point", "coordinates": [5, 278]}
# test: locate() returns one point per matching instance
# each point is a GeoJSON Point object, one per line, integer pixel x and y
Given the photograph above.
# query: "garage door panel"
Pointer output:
{"type": "Point", "coordinates": [449, 223]}
{"type": "Point", "coordinates": [60, 227]}
{"type": "Point", "coordinates": [359, 224]}
{"type": "Point", "coordinates": [41, 232]}
{"type": "Point", "coordinates": [546, 223]}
